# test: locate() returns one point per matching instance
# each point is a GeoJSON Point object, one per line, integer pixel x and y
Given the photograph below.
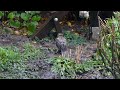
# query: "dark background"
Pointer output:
{"type": "Point", "coordinates": [60, 5]}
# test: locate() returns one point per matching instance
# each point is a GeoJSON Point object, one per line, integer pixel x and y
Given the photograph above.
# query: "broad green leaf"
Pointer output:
{"type": "Point", "coordinates": [1, 14]}
{"type": "Point", "coordinates": [17, 15]}
{"type": "Point", "coordinates": [15, 24]}
{"type": "Point", "coordinates": [11, 15]}
{"type": "Point", "coordinates": [25, 16]}
{"type": "Point", "coordinates": [35, 23]}
{"type": "Point", "coordinates": [31, 27]}
{"type": "Point", "coordinates": [36, 18]}
{"type": "Point", "coordinates": [24, 23]}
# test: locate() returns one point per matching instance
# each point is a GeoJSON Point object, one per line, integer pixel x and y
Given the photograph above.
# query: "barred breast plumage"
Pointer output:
{"type": "Point", "coordinates": [61, 43]}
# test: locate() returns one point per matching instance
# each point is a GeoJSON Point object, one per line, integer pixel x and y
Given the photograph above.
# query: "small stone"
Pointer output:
{"type": "Point", "coordinates": [34, 42]}
{"type": "Point", "coordinates": [25, 34]}
{"type": "Point", "coordinates": [17, 32]}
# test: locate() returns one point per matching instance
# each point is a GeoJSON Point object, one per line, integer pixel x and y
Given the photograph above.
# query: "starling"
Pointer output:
{"type": "Point", "coordinates": [61, 43]}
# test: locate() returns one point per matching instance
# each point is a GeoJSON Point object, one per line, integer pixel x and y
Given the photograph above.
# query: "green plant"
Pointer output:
{"type": "Point", "coordinates": [1, 14]}
{"type": "Point", "coordinates": [14, 21]}
{"type": "Point", "coordinates": [64, 67]}
{"type": "Point", "coordinates": [31, 52]}
{"type": "Point", "coordinates": [31, 20]}
{"type": "Point", "coordinates": [68, 68]}
{"type": "Point", "coordinates": [89, 65]}
{"type": "Point", "coordinates": [74, 39]}
{"type": "Point", "coordinates": [46, 39]}
{"type": "Point", "coordinates": [13, 63]}
{"type": "Point", "coordinates": [25, 19]}
{"type": "Point", "coordinates": [109, 45]}
{"type": "Point", "coordinates": [8, 56]}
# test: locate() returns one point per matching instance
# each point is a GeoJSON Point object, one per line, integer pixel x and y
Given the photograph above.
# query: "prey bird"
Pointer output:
{"type": "Point", "coordinates": [61, 43]}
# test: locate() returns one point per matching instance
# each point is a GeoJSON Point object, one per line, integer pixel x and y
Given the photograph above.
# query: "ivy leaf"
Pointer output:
{"type": "Point", "coordinates": [1, 14]}
{"type": "Point", "coordinates": [15, 24]}
{"type": "Point", "coordinates": [36, 18]}
{"type": "Point", "coordinates": [25, 16]}
{"type": "Point", "coordinates": [31, 28]}
{"type": "Point", "coordinates": [35, 23]}
{"type": "Point", "coordinates": [17, 15]}
{"type": "Point", "coordinates": [11, 15]}
{"type": "Point", "coordinates": [24, 23]}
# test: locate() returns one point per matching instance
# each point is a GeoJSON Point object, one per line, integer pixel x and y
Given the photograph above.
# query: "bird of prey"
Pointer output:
{"type": "Point", "coordinates": [61, 43]}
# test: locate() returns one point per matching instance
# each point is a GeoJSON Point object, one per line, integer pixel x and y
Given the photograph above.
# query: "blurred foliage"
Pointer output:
{"type": "Point", "coordinates": [24, 19]}
{"type": "Point", "coordinates": [13, 62]}
{"type": "Point", "coordinates": [109, 44]}
{"type": "Point", "coordinates": [68, 68]}
{"type": "Point", "coordinates": [74, 38]}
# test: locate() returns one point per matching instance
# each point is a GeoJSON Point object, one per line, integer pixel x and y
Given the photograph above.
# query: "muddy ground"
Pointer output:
{"type": "Point", "coordinates": [40, 68]}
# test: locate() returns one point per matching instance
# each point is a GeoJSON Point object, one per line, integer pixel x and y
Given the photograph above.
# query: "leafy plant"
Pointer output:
{"type": "Point", "coordinates": [74, 38]}
{"type": "Point", "coordinates": [68, 68]}
{"type": "Point", "coordinates": [31, 52]}
{"type": "Point", "coordinates": [8, 56]}
{"type": "Point", "coordinates": [25, 16]}
{"type": "Point", "coordinates": [46, 39]}
{"type": "Point", "coordinates": [109, 45]}
{"type": "Point", "coordinates": [15, 24]}
{"type": "Point", "coordinates": [30, 21]}
{"type": "Point", "coordinates": [64, 67]}
{"type": "Point", "coordinates": [11, 15]}
{"type": "Point", "coordinates": [1, 14]}
{"type": "Point", "coordinates": [13, 62]}
{"type": "Point", "coordinates": [25, 19]}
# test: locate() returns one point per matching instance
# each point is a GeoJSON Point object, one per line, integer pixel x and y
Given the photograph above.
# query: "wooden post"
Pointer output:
{"type": "Point", "coordinates": [57, 25]}
{"type": "Point", "coordinates": [44, 30]}
{"type": "Point", "coordinates": [94, 22]}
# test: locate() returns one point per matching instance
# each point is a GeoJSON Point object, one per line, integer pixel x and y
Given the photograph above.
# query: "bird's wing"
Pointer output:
{"type": "Point", "coordinates": [58, 43]}
{"type": "Point", "coordinates": [64, 41]}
